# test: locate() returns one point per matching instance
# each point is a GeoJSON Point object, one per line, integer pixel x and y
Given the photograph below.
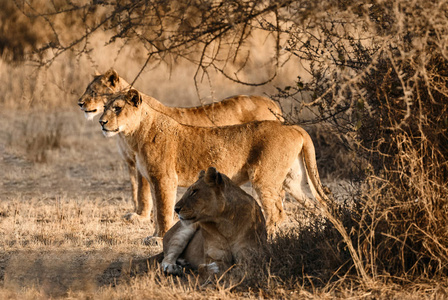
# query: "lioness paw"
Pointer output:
{"type": "Point", "coordinates": [211, 268]}
{"type": "Point", "coordinates": [172, 269]}
{"type": "Point", "coordinates": [153, 241]}
{"type": "Point", "coordinates": [135, 218]}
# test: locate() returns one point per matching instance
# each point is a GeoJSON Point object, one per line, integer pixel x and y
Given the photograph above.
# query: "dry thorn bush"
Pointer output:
{"type": "Point", "coordinates": [380, 83]}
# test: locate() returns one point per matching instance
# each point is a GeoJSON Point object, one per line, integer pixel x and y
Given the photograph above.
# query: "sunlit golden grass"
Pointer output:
{"type": "Point", "coordinates": [66, 223]}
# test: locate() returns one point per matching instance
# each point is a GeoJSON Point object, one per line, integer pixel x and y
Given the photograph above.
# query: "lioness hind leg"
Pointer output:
{"type": "Point", "coordinates": [296, 184]}
{"type": "Point", "coordinates": [272, 202]}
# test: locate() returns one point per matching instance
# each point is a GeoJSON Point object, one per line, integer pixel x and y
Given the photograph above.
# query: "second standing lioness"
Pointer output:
{"type": "Point", "coordinates": [272, 156]}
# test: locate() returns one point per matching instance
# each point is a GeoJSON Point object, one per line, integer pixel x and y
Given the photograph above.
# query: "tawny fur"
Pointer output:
{"type": "Point", "coordinates": [220, 225]}
{"type": "Point", "coordinates": [234, 110]}
{"type": "Point", "coordinates": [170, 154]}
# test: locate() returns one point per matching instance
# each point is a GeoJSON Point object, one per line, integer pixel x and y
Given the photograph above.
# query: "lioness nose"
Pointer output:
{"type": "Point", "coordinates": [103, 122]}
{"type": "Point", "coordinates": [80, 104]}
{"type": "Point", "coordinates": [177, 210]}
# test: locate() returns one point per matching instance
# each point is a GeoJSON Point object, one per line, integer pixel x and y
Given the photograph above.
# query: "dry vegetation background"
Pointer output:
{"type": "Point", "coordinates": [367, 79]}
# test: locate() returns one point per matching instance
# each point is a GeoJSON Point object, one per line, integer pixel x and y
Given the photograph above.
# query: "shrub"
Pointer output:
{"type": "Point", "coordinates": [378, 77]}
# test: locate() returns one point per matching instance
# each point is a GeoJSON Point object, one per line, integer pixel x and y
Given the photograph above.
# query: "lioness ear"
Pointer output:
{"type": "Point", "coordinates": [201, 174]}
{"type": "Point", "coordinates": [112, 77]}
{"type": "Point", "coordinates": [213, 177]}
{"type": "Point", "coordinates": [134, 97]}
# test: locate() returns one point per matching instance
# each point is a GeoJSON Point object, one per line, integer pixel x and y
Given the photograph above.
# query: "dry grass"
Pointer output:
{"type": "Point", "coordinates": [81, 248]}
{"type": "Point", "coordinates": [62, 233]}
{"type": "Point", "coordinates": [64, 188]}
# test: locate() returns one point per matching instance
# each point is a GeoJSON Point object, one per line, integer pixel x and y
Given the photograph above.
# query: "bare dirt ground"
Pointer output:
{"type": "Point", "coordinates": [60, 218]}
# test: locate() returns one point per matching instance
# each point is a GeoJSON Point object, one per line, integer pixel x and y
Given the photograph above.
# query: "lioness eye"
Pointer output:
{"type": "Point", "coordinates": [193, 192]}
{"type": "Point", "coordinates": [117, 109]}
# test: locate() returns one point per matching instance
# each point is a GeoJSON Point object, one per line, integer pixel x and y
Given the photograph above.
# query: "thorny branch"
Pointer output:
{"type": "Point", "coordinates": [164, 29]}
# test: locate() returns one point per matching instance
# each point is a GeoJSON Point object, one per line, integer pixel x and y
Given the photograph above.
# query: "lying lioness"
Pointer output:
{"type": "Point", "coordinates": [220, 225]}
{"type": "Point", "coordinates": [233, 110]}
{"type": "Point", "coordinates": [273, 156]}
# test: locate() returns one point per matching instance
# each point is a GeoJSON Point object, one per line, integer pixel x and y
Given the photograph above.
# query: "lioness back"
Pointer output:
{"type": "Point", "coordinates": [234, 110]}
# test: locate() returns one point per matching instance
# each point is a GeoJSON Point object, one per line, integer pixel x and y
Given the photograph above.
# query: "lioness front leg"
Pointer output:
{"type": "Point", "coordinates": [129, 158]}
{"type": "Point", "coordinates": [144, 200]}
{"type": "Point", "coordinates": [165, 197]}
{"type": "Point", "coordinates": [174, 243]}
{"type": "Point", "coordinates": [134, 184]}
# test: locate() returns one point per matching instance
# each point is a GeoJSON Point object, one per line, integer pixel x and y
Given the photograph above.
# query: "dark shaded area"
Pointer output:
{"type": "Point", "coordinates": [57, 273]}
{"type": "Point", "coordinates": [119, 271]}
{"type": "Point", "coordinates": [19, 36]}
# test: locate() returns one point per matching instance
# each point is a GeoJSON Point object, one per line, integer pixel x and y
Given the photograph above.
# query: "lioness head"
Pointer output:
{"type": "Point", "coordinates": [121, 113]}
{"type": "Point", "coordinates": [204, 200]}
{"type": "Point", "coordinates": [97, 93]}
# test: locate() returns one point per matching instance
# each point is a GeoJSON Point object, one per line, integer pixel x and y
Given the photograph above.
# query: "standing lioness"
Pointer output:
{"type": "Point", "coordinates": [273, 156]}
{"type": "Point", "coordinates": [234, 110]}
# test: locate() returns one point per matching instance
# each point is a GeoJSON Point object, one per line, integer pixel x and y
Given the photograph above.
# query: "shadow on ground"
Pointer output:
{"type": "Point", "coordinates": [57, 273]}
